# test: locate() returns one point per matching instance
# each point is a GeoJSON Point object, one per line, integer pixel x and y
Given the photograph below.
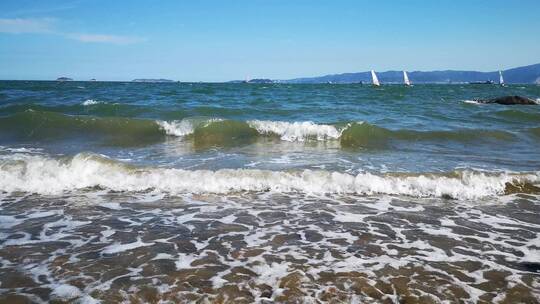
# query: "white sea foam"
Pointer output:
{"type": "Point", "coordinates": [65, 292]}
{"type": "Point", "coordinates": [184, 127]}
{"type": "Point", "coordinates": [176, 128]}
{"type": "Point", "coordinates": [38, 174]}
{"type": "Point", "coordinates": [296, 131]}
{"type": "Point", "coordinates": [270, 274]}
{"type": "Point", "coordinates": [90, 102]}
{"type": "Point", "coordinates": [288, 131]}
{"type": "Point", "coordinates": [116, 248]}
{"type": "Point", "coordinates": [184, 261]}
{"type": "Point", "coordinates": [21, 150]}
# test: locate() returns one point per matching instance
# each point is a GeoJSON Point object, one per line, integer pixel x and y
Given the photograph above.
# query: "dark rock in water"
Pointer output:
{"type": "Point", "coordinates": [509, 100]}
{"type": "Point", "coordinates": [529, 266]}
{"type": "Point", "coordinates": [516, 187]}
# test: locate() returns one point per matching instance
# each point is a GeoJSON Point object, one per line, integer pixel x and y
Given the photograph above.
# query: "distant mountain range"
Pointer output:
{"type": "Point", "coordinates": [525, 74]}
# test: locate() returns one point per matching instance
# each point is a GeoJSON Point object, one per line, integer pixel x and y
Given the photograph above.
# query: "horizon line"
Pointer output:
{"type": "Point", "coordinates": [273, 79]}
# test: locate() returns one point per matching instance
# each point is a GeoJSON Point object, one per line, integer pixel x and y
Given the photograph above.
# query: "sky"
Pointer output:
{"type": "Point", "coordinates": [278, 39]}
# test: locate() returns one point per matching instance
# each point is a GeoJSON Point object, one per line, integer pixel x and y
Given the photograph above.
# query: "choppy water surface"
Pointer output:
{"type": "Point", "coordinates": [236, 193]}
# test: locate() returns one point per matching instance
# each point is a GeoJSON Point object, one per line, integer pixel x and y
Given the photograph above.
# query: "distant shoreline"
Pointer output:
{"type": "Point", "coordinates": [520, 75]}
{"type": "Point", "coordinates": [365, 84]}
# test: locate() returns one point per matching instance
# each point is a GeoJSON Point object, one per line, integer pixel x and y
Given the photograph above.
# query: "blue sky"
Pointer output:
{"type": "Point", "coordinates": [224, 40]}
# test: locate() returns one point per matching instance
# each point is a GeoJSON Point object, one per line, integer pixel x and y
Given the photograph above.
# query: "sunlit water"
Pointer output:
{"type": "Point", "coordinates": [266, 193]}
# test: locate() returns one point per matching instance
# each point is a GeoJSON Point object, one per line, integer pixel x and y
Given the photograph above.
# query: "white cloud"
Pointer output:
{"type": "Point", "coordinates": [102, 38]}
{"type": "Point", "coordinates": [47, 26]}
{"type": "Point", "coordinates": [22, 25]}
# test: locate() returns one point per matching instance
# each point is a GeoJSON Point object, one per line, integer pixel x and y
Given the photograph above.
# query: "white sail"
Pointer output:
{"type": "Point", "coordinates": [374, 78]}
{"type": "Point", "coordinates": [501, 79]}
{"type": "Point", "coordinates": [406, 78]}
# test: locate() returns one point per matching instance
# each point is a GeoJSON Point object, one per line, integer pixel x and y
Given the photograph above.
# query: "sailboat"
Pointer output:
{"type": "Point", "coordinates": [374, 79]}
{"type": "Point", "coordinates": [406, 79]}
{"type": "Point", "coordinates": [501, 80]}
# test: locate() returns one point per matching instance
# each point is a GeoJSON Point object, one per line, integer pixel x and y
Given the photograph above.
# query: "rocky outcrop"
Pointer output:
{"type": "Point", "coordinates": [509, 100]}
{"type": "Point", "coordinates": [63, 79]}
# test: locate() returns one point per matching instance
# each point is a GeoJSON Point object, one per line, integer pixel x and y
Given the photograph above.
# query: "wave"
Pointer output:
{"type": "Point", "coordinates": [185, 127]}
{"type": "Point", "coordinates": [368, 135]}
{"type": "Point", "coordinates": [350, 134]}
{"type": "Point", "coordinates": [297, 131]}
{"type": "Point", "coordinates": [208, 132]}
{"type": "Point", "coordinates": [91, 102]}
{"type": "Point", "coordinates": [40, 125]}
{"type": "Point", "coordinates": [46, 175]}
{"type": "Point", "coordinates": [535, 132]}
{"type": "Point", "coordinates": [87, 107]}
{"type": "Point", "coordinates": [519, 116]}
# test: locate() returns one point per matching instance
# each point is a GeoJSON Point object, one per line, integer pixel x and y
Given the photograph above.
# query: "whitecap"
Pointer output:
{"type": "Point", "coordinates": [38, 174]}
{"type": "Point", "coordinates": [176, 128]}
{"type": "Point", "coordinates": [184, 127]}
{"type": "Point", "coordinates": [91, 102]}
{"type": "Point", "coordinates": [296, 131]}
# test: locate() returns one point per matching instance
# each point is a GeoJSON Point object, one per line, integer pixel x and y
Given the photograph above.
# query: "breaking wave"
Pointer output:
{"type": "Point", "coordinates": [206, 132]}
{"type": "Point", "coordinates": [91, 102]}
{"type": "Point", "coordinates": [297, 131]}
{"type": "Point", "coordinates": [40, 125]}
{"type": "Point", "coordinates": [46, 175]}
{"type": "Point", "coordinates": [349, 134]}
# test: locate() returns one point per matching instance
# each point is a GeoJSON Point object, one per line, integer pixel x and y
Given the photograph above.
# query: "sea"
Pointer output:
{"type": "Point", "coordinates": [122, 192]}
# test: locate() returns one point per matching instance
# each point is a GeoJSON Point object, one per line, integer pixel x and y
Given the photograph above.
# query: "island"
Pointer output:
{"type": "Point", "coordinates": [63, 79]}
{"type": "Point", "coordinates": [152, 80]}
{"type": "Point", "coordinates": [522, 75]}
{"type": "Point", "coordinates": [256, 80]}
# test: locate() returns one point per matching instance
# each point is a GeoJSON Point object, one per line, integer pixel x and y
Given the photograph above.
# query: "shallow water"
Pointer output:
{"type": "Point", "coordinates": [235, 193]}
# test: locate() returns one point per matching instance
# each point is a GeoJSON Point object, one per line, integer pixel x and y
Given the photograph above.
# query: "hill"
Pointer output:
{"type": "Point", "coordinates": [525, 74]}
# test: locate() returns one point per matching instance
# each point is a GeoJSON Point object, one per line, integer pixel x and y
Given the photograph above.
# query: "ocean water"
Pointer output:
{"type": "Point", "coordinates": [241, 193]}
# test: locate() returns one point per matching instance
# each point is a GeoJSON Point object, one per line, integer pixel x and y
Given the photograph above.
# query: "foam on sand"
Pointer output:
{"type": "Point", "coordinates": [116, 248]}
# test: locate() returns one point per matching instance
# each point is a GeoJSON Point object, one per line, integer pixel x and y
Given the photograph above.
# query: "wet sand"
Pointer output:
{"type": "Point", "coordinates": [268, 247]}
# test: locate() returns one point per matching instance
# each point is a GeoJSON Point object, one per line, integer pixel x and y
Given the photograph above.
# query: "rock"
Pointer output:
{"type": "Point", "coordinates": [63, 79]}
{"type": "Point", "coordinates": [509, 100]}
